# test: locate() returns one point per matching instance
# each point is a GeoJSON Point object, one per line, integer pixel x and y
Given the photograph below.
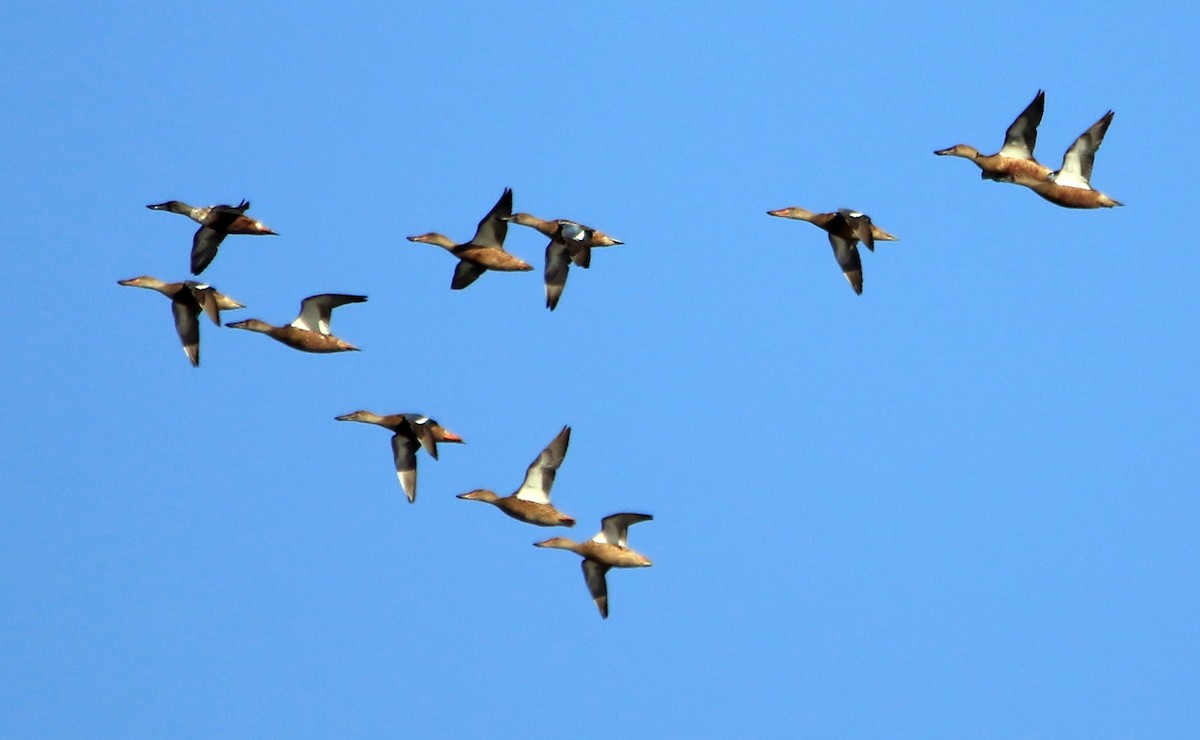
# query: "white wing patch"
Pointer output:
{"type": "Point", "coordinates": [310, 318]}
{"type": "Point", "coordinates": [1070, 179]}
{"type": "Point", "coordinates": [1011, 151]}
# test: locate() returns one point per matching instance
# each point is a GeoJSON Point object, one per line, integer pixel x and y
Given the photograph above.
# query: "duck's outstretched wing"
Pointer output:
{"type": "Point", "coordinates": [593, 575]}
{"type": "Point", "coordinates": [493, 228]}
{"type": "Point", "coordinates": [1021, 136]}
{"type": "Point", "coordinates": [539, 478]}
{"type": "Point", "coordinates": [1077, 163]}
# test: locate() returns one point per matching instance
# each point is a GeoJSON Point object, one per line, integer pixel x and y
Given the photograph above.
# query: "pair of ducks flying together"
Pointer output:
{"type": "Point", "coordinates": [1069, 186]}
{"type": "Point", "coordinates": [570, 242]}
{"type": "Point", "coordinates": [530, 503]}
{"type": "Point", "coordinates": [309, 332]}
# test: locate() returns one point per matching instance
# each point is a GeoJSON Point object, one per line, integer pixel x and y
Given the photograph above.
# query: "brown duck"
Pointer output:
{"type": "Point", "coordinates": [531, 502]}
{"type": "Point", "coordinates": [846, 229]}
{"type": "Point", "coordinates": [188, 299]}
{"type": "Point", "coordinates": [485, 251]}
{"type": "Point", "coordinates": [1014, 162]}
{"type": "Point", "coordinates": [216, 222]}
{"type": "Point", "coordinates": [1071, 186]}
{"type": "Point", "coordinates": [411, 431]}
{"type": "Point", "coordinates": [310, 331]}
{"type": "Point", "coordinates": [606, 550]}
{"type": "Point", "coordinates": [569, 242]}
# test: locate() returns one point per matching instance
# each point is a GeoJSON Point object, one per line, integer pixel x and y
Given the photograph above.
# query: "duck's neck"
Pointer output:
{"type": "Point", "coordinates": [441, 240]}
{"type": "Point", "coordinates": [253, 325]}
{"type": "Point", "coordinates": [167, 289]}
{"type": "Point", "coordinates": [546, 227]}
{"type": "Point", "coordinates": [196, 213]}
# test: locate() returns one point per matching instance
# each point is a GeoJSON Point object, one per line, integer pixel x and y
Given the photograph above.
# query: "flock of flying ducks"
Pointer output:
{"type": "Point", "coordinates": [571, 243]}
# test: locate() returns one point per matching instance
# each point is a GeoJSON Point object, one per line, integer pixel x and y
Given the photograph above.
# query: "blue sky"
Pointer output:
{"type": "Point", "coordinates": [963, 504]}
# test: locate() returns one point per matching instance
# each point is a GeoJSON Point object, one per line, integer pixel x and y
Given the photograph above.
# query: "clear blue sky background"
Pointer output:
{"type": "Point", "coordinates": [963, 504]}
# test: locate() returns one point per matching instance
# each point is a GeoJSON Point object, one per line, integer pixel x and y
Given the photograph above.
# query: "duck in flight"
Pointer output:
{"type": "Point", "coordinates": [485, 251]}
{"type": "Point", "coordinates": [570, 241]}
{"type": "Point", "coordinates": [608, 549]}
{"type": "Point", "coordinates": [1014, 162]}
{"type": "Point", "coordinates": [188, 300]}
{"type": "Point", "coordinates": [846, 229]}
{"type": "Point", "coordinates": [1070, 186]}
{"type": "Point", "coordinates": [410, 432]}
{"type": "Point", "coordinates": [309, 332]}
{"type": "Point", "coordinates": [216, 222]}
{"type": "Point", "coordinates": [531, 502]}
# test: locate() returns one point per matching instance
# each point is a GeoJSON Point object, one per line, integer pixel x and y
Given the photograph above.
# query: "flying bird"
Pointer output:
{"type": "Point", "coordinates": [1070, 186]}
{"type": "Point", "coordinates": [216, 222]}
{"type": "Point", "coordinates": [410, 432]}
{"type": "Point", "coordinates": [188, 299]}
{"type": "Point", "coordinates": [569, 242]}
{"type": "Point", "coordinates": [1014, 162]}
{"type": "Point", "coordinates": [310, 331]}
{"type": "Point", "coordinates": [846, 229]}
{"type": "Point", "coordinates": [608, 549]}
{"type": "Point", "coordinates": [531, 502]}
{"type": "Point", "coordinates": [485, 251]}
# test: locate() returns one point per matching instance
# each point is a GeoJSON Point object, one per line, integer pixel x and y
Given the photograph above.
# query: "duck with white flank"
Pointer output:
{"type": "Point", "coordinates": [1070, 186]}
{"type": "Point", "coordinates": [531, 502]}
{"type": "Point", "coordinates": [310, 331]}
{"type": "Point", "coordinates": [606, 550]}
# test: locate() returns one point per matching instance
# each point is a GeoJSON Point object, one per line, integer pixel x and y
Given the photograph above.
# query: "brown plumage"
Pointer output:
{"type": "Point", "coordinates": [216, 222]}
{"type": "Point", "coordinates": [485, 251]}
{"type": "Point", "coordinates": [531, 502]}
{"type": "Point", "coordinates": [569, 242]}
{"type": "Point", "coordinates": [608, 549]}
{"type": "Point", "coordinates": [1014, 162]}
{"type": "Point", "coordinates": [1071, 185]}
{"type": "Point", "coordinates": [411, 431]}
{"type": "Point", "coordinates": [188, 299]}
{"type": "Point", "coordinates": [310, 330]}
{"type": "Point", "coordinates": [846, 229]}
